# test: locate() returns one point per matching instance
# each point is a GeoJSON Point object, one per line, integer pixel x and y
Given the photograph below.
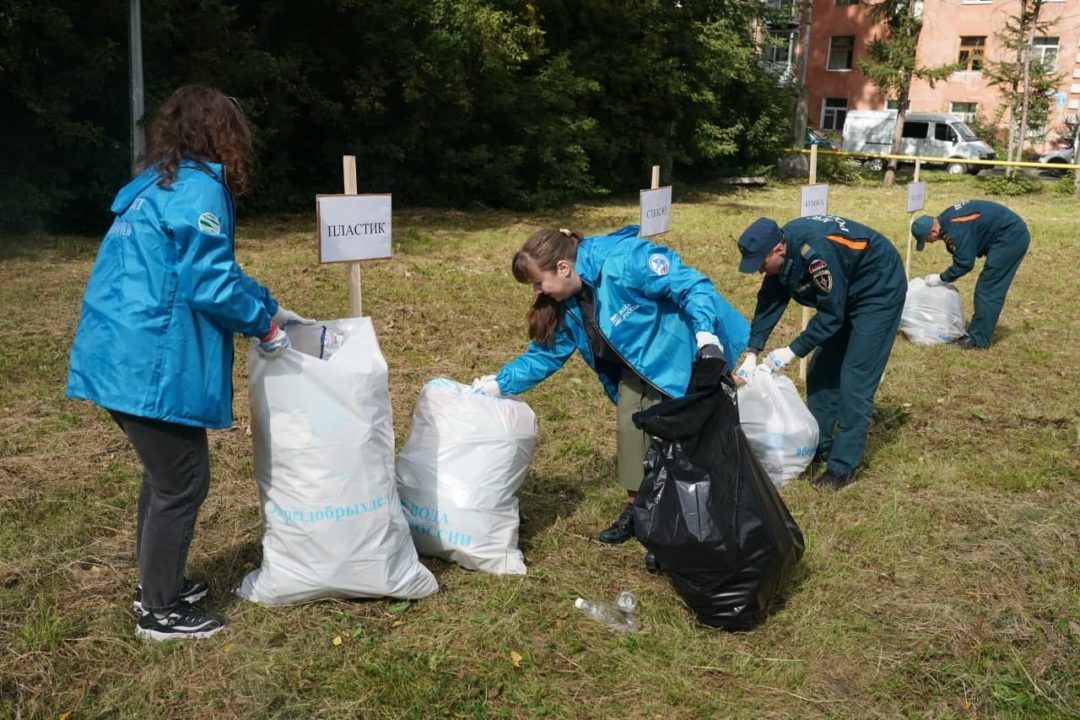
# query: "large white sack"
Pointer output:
{"type": "Point", "coordinates": [459, 472]}
{"type": "Point", "coordinates": [932, 315]}
{"type": "Point", "coordinates": [324, 461]}
{"type": "Point", "coordinates": [782, 432]}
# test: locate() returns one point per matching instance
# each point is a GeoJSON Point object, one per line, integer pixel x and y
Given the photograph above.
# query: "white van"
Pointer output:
{"type": "Point", "coordinates": [928, 135]}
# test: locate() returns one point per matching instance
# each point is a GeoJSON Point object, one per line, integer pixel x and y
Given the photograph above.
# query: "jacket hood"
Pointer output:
{"type": "Point", "coordinates": [596, 248]}
{"type": "Point", "coordinates": [151, 175]}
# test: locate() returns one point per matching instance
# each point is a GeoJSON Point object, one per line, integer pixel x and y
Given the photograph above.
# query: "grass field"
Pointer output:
{"type": "Point", "coordinates": [945, 583]}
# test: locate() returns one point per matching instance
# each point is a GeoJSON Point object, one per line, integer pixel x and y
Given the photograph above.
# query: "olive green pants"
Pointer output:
{"type": "Point", "coordinates": [632, 443]}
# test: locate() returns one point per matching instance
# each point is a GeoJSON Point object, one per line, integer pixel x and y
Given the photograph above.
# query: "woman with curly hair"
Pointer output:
{"type": "Point", "coordinates": [154, 343]}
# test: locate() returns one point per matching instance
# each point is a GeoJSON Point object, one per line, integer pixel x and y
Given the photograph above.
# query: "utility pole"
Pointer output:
{"type": "Point", "coordinates": [135, 79]}
{"type": "Point", "coordinates": [794, 165]}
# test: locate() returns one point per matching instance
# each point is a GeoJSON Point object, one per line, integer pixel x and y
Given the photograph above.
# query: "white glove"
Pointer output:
{"type": "Point", "coordinates": [747, 368]}
{"type": "Point", "coordinates": [707, 338]}
{"type": "Point", "coordinates": [273, 343]}
{"type": "Point", "coordinates": [778, 358]}
{"type": "Point", "coordinates": [487, 386]}
{"type": "Point", "coordinates": [285, 318]}
{"type": "Point", "coordinates": [933, 280]}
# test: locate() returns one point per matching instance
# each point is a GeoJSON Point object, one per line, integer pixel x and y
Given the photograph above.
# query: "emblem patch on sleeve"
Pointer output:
{"type": "Point", "coordinates": [659, 264]}
{"type": "Point", "coordinates": [209, 223]}
{"type": "Point", "coordinates": [950, 246]}
{"type": "Point", "coordinates": [821, 275]}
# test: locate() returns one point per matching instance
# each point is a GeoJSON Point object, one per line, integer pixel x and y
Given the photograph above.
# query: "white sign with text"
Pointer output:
{"type": "Point", "coordinates": [916, 196]}
{"type": "Point", "coordinates": [353, 227]}
{"type": "Point", "coordinates": [815, 200]}
{"type": "Point", "coordinates": [655, 211]}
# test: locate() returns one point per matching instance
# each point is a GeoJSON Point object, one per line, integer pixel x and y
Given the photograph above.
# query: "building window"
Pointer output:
{"type": "Point", "coordinates": [977, 2]}
{"type": "Point", "coordinates": [779, 46]}
{"type": "Point", "coordinates": [841, 52]}
{"type": "Point", "coordinates": [972, 49]}
{"type": "Point", "coordinates": [833, 112]}
{"type": "Point", "coordinates": [963, 110]}
{"type": "Point", "coordinates": [892, 104]}
{"type": "Point", "coordinates": [1045, 51]}
{"type": "Point", "coordinates": [846, 2]}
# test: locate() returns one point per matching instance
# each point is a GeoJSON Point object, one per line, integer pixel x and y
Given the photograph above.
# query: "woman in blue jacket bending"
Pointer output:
{"type": "Point", "coordinates": [638, 315]}
{"type": "Point", "coordinates": [154, 344]}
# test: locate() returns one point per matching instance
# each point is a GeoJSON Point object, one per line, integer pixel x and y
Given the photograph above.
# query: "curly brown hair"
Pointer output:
{"type": "Point", "coordinates": [201, 123]}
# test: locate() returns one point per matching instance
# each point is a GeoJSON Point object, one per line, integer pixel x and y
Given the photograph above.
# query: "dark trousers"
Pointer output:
{"type": "Point", "coordinates": [1002, 261]}
{"type": "Point", "coordinates": [843, 377]}
{"type": "Point", "coordinates": [176, 479]}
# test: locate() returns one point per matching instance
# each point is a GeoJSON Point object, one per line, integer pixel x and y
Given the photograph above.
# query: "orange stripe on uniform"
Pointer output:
{"type": "Point", "coordinates": [853, 244]}
{"type": "Point", "coordinates": [966, 218]}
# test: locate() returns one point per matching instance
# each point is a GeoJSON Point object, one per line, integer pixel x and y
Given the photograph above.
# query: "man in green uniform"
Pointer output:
{"type": "Point", "coordinates": [973, 229]}
{"type": "Point", "coordinates": [854, 277]}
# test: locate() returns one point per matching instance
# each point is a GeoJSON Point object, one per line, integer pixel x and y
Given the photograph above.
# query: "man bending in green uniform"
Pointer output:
{"type": "Point", "coordinates": [854, 277]}
{"type": "Point", "coordinates": [971, 229]}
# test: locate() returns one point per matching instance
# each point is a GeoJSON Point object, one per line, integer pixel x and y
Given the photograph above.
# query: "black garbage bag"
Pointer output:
{"type": "Point", "coordinates": [707, 510]}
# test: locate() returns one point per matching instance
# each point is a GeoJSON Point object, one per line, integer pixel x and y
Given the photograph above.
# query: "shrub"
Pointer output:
{"type": "Point", "coordinates": [1012, 186]}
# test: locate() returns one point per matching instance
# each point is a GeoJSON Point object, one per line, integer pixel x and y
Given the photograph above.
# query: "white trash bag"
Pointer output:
{"type": "Point", "coordinates": [324, 461]}
{"type": "Point", "coordinates": [459, 472]}
{"type": "Point", "coordinates": [782, 432]}
{"type": "Point", "coordinates": [932, 315]}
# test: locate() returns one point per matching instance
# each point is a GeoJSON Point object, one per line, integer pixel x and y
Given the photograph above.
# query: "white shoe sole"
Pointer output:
{"type": "Point", "coordinates": [166, 636]}
{"type": "Point", "coordinates": [137, 607]}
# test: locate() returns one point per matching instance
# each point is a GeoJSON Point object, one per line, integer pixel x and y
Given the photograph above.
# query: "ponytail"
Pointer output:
{"type": "Point", "coordinates": [542, 251]}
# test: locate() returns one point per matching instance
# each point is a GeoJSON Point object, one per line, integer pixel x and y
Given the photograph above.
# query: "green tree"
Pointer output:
{"type": "Point", "coordinates": [1025, 85]}
{"type": "Point", "coordinates": [891, 63]}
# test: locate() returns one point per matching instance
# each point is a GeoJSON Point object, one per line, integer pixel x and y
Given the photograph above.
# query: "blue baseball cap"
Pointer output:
{"type": "Point", "coordinates": [920, 230]}
{"type": "Point", "coordinates": [756, 242]}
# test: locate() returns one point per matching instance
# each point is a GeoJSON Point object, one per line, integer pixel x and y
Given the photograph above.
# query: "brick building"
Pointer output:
{"type": "Point", "coordinates": [964, 31]}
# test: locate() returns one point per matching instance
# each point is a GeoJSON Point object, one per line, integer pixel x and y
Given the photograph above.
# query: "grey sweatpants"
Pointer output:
{"type": "Point", "coordinates": [176, 479]}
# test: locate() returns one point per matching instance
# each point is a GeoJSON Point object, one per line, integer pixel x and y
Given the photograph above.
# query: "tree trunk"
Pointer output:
{"type": "Point", "coordinates": [897, 138]}
{"type": "Point", "coordinates": [1011, 151]}
{"type": "Point", "coordinates": [1027, 78]}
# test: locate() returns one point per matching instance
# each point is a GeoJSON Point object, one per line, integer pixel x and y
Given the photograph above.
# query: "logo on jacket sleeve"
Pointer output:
{"type": "Point", "coordinates": [659, 264]}
{"type": "Point", "coordinates": [209, 223]}
{"type": "Point", "coordinates": [820, 275]}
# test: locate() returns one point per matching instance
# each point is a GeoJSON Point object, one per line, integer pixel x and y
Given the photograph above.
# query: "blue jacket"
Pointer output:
{"type": "Point", "coordinates": [155, 338]}
{"type": "Point", "coordinates": [648, 307]}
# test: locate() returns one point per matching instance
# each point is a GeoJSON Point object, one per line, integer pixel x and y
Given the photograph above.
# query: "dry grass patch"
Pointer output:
{"type": "Point", "coordinates": [945, 583]}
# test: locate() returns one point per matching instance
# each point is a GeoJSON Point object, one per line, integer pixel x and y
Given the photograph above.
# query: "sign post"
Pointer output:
{"type": "Point", "coordinates": [916, 200]}
{"type": "Point", "coordinates": [348, 168]}
{"type": "Point", "coordinates": [655, 207]}
{"type": "Point", "coordinates": [814, 201]}
{"type": "Point", "coordinates": [352, 228]}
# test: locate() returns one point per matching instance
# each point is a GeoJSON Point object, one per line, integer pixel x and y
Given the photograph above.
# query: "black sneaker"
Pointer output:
{"type": "Point", "coordinates": [622, 529]}
{"type": "Point", "coordinates": [966, 343]}
{"type": "Point", "coordinates": [192, 592]}
{"type": "Point", "coordinates": [821, 456]}
{"type": "Point", "coordinates": [834, 480]}
{"type": "Point", "coordinates": [187, 622]}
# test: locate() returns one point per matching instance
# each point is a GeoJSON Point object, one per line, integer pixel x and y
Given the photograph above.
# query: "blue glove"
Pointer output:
{"type": "Point", "coordinates": [779, 358]}
{"type": "Point", "coordinates": [273, 343]}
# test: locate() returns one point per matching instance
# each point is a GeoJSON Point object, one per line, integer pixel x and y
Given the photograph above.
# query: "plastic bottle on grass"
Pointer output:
{"type": "Point", "coordinates": [618, 616]}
